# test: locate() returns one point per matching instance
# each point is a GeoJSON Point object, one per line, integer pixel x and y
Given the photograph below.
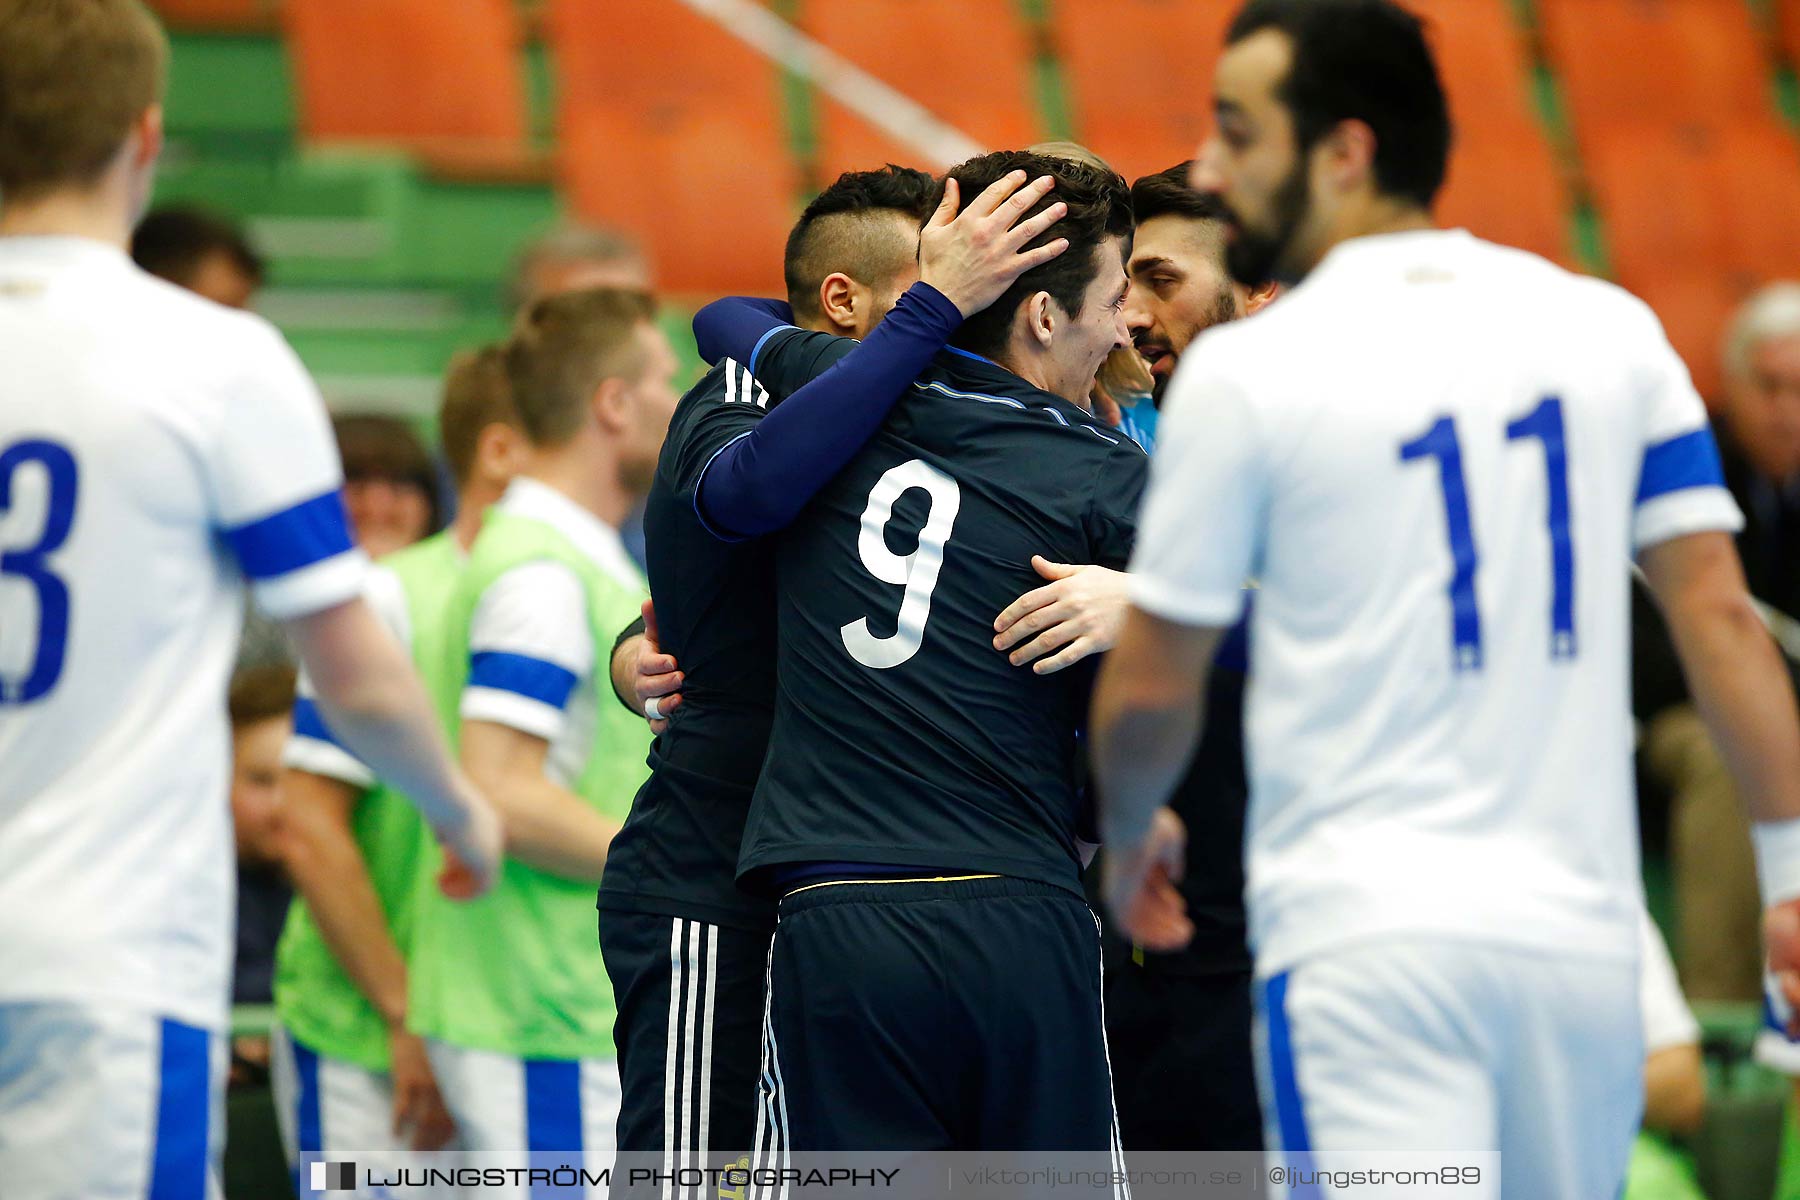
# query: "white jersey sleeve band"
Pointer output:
{"type": "Point", "coordinates": [529, 644]}
{"type": "Point", "coordinates": [1681, 490]}
{"type": "Point", "coordinates": [1208, 460]}
{"type": "Point", "coordinates": [302, 559]}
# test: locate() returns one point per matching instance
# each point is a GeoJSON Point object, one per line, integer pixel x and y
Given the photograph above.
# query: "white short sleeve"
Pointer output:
{"type": "Point", "coordinates": [276, 482]}
{"type": "Point", "coordinates": [529, 646]}
{"type": "Point", "coordinates": [1667, 1019]}
{"type": "Point", "coordinates": [1200, 535]}
{"type": "Point", "coordinates": [1681, 485]}
{"type": "Point", "coordinates": [313, 748]}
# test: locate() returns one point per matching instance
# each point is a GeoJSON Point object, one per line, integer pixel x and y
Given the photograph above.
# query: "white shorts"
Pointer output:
{"type": "Point", "coordinates": [507, 1105]}
{"type": "Point", "coordinates": [335, 1109]}
{"type": "Point", "coordinates": [108, 1104]}
{"type": "Point", "coordinates": [1427, 1045]}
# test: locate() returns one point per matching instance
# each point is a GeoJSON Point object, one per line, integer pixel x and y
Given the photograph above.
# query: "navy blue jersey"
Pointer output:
{"type": "Point", "coordinates": [715, 609]}
{"type": "Point", "coordinates": [901, 736]}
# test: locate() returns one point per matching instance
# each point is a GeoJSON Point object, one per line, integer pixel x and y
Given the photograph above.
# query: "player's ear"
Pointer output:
{"type": "Point", "coordinates": [611, 405]}
{"type": "Point", "coordinates": [1042, 315]}
{"type": "Point", "coordinates": [1349, 152]}
{"type": "Point", "coordinates": [499, 452]}
{"type": "Point", "coordinates": [142, 147]}
{"type": "Point", "coordinates": [839, 296]}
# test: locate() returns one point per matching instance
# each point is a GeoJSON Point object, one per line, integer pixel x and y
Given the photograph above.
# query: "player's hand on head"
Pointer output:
{"type": "Point", "coordinates": [1079, 613]}
{"type": "Point", "coordinates": [973, 255]}
{"type": "Point", "coordinates": [420, 1115]}
{"type": "Point", "coordinates": [472, 850]}
{"type": "Point", "coordinates": [1138, 882]}
{"type": "Point", "coordinates": [656, 679]}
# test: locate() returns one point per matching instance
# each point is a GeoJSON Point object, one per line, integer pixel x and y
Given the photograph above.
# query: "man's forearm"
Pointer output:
{"type": "Point", "coordinates": [1743, 692]}
{"type": "Point", "coordinates": [1147, 714]}
{"type": "Point", "coordinates": [1140, 753]}
{"type": "Point", "coordinates": [551, 828]}
{"type": "Point", "coordinates": [731, 326]}
{"type": "Point", "coordinates": [328, 871]}
{"type": "Point", "coordinates": [760, 483]}
{"type": "Point", "coordinates": [370, 696]}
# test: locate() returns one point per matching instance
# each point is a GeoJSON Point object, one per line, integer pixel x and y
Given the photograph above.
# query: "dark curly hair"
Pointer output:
{"type": "Point", "coordinates": [1099, 208]}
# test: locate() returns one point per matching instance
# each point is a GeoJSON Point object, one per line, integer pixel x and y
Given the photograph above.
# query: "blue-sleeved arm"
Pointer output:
{"type": "Point", "coordinates": [732, 327]}
{"type": "Point", "coordinates": [760, 482]}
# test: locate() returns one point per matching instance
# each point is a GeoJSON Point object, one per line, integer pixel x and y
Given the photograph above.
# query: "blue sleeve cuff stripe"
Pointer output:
{"type": "Point", "coordinates": [1688, 461]}
{"type": "Point", "coordinates": [309, 724]}
{"type": "Point", "coordinates": [522, 675]}
{"type": "Point", "coordinates": [309, 532]}
{"type": "Point", "coordinates": [756, 351]}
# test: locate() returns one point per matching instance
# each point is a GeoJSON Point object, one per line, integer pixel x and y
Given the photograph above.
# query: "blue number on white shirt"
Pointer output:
{"type": "Point", "coordinates": [1545, 423]}
{"type": "Point", "coordinates": [1440, 442]}
{"type": "Point", "coordinates": [29, 563]}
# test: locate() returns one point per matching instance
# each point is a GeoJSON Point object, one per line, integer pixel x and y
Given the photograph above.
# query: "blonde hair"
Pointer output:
{"type": "Point", "coordinates": [74, 76]}
{"type": "Point", "coordinates": [1071, 152]}
{"type": "Point", "coordinates": [564, 347]}
{"type": "Point", "coordinates": [1773, 312]}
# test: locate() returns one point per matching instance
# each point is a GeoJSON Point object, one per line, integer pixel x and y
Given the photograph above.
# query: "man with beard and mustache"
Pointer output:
{"type": "Point", "coordinates": [1180, 286]}
{"type": "Point", "coordinates": [1438, 458]}
{"type": "Point", "coordinates": [1179, 1022]}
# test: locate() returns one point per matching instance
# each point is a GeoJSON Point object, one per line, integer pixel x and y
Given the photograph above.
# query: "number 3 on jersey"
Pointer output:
{"type": "Point", "coordinates": [1545, 424]}
{"type": "Point", "coordinates": [29, 562]}
{"type": "Point", "coordinates": [916, 572]}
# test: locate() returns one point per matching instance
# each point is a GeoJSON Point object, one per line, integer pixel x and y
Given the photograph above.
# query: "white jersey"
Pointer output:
{"type": "Point", "coordinates": [1436, 458]}
{"type": "Point", "coordinates": [151, 444]}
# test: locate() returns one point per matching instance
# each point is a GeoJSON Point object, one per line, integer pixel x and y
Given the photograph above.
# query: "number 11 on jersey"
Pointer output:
{"type": "Point", "coordinates": [1545, 424]}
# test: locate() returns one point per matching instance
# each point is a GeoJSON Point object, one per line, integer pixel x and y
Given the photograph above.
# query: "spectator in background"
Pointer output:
{"type": "Point", "coordinates": [354, 848]}
{"type": "Point", "coordinates": [260, 702]}
{"type": "Point", "coordinates": [200, 251]}
{"type": "Point", "coordinates": [573, 257]}
{"type": "Point", "coordinates": [390, 485]}
{"type": "Point", "coordinates": [1762, 440]}
{"type": "Point", "coordinates": [517, 1013]}
{"type": "Point", "coordinates": [1720, 914]}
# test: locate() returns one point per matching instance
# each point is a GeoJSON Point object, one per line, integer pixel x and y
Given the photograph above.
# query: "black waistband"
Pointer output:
{"type": "Point", "coordinates": [918, 887]}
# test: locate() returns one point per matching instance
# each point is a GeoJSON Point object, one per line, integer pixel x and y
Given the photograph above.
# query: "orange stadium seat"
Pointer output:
{"type": "Point", "coordinates": [1695, 223]}
{"type": "Point", "coordinates": [1730, 202]}
{"type": "Point", "coordinates": [1140, 75]}
{"type": "Point", "coordinates": [1482, 57]}
{"type": "Point", "coordinates": [1694, 307]}
{"type": "Point", "coordinates": [1504, 183]}
{"type": "Point", "coordinates": [463, 80]}
{"type": "Point", "coordinates": [1681, 63]}
{"type": "Point", "coordinates": [673, 129]}
{"type": "Point", "coordinates": [1508, 192]}
{"type": "Point", "coordinates": [223, 15]}
{"type": "Point", "coordinates": [1787, 28]}
{"type": "Point", "coordinates": [969, 64]}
